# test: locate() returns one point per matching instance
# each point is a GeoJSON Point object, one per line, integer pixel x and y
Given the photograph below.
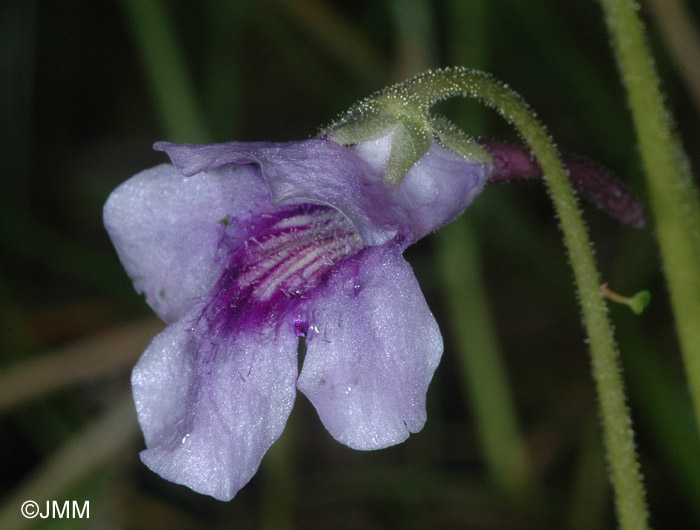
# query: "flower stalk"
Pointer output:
{"type": "Point", "coordinates": [426, 90]}
{"type": "Point", "coordinates": [673, 197]}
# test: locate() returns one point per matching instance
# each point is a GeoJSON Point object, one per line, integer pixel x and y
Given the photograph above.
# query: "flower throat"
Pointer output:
{"type": "Point", "coordinates": [279, 257]}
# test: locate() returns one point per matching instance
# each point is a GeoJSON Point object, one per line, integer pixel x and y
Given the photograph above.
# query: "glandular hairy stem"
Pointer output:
{"type": "Point", "coordinates": [427, 89]}
{"type": "Point", "coordinates": [673, 196]}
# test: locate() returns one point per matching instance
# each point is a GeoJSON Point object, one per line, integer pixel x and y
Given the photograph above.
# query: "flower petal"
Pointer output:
{"type": "Point", "coordinates": [210, 407]}
{"type": "Point", "coordinates": [435, 191]}
{"type": "Point", "coordinates": [311, 171]}
{"type": "Point", "coordinates": [372, 348]}
{"type": "Point", "coordinates": [167, 228]}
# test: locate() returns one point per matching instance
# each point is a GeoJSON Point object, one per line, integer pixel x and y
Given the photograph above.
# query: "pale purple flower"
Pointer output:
{"type": "Point", "coordinates": [243, 248]}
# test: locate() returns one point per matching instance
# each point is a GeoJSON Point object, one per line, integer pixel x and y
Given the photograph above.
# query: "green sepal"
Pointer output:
{"type": "Point", "coordinates": [408, 145]}
{"type": "Point", "coordinates": [414, 130]}
{"type": "Point", "coordinates": [452, 137]}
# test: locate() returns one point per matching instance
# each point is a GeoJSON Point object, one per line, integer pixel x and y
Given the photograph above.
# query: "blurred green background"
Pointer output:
{"type": "Point", "coordinates": [86, 88]}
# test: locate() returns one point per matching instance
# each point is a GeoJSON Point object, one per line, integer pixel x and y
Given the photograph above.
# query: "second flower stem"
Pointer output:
{"type": "Point", "coordinates": [673, 196]}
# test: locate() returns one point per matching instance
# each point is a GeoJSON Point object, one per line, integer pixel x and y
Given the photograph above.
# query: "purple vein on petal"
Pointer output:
{"type": "Point", "coordinates": [590, 179]}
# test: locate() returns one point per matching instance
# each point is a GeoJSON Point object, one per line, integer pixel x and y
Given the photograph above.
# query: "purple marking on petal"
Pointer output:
{"type": "Point", "coordinates": [590, 179]}
{"type": "Point", "coordinates": [214, 389]}
{"type": "Point", "coordinates": [279, 258]}
{"type": "Point", "coordinates": [301, 327]}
